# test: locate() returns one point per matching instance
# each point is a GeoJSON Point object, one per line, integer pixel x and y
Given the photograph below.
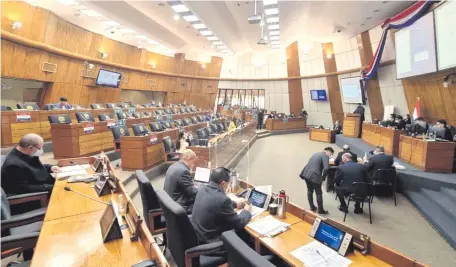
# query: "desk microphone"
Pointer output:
{"type": "Point", "coordinates": [99, 201]}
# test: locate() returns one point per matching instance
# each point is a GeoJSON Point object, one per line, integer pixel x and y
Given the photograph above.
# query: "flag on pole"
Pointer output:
{"type": "Point", "coordinates": [417, 110]}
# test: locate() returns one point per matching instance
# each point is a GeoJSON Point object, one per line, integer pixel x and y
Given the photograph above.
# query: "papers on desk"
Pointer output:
{"type": "Point", "coordinates": [398, 166]}
{"type": "Point", "coordinates": [267, 225]}
{"type": "Point", "coordinates": [315, 254]}
{"type": "Point", "coordinates": [69, 171]}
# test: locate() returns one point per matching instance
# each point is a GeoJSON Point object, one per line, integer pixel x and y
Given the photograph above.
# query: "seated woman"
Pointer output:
{"type": "Point", "coordinates": [182, 143]}
{"type": "Point", "coordinates": [232, 125]}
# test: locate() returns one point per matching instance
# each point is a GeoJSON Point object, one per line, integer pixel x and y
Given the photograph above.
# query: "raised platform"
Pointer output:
{"type": "Point", "coordinates": [433, 194]}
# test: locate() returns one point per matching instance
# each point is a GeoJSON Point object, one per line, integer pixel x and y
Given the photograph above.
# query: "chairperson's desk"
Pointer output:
{"type": "Point", "coordinates": [290, 124]}
{"type": "Point", "coordinates": [322, 135]}
{"type": "Point", "coordinates": [71, 234]}
{"type": "Point", "coordinates": [382, 136]}
{"type": "Point", "coordinates": [351, 125]}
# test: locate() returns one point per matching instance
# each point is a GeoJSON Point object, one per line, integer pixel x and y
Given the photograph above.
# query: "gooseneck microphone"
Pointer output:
{"type": "Point", "coordinates": [99, 201]}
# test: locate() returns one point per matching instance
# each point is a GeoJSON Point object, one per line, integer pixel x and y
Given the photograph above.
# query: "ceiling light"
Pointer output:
{"type": "Point", "coordinates": [203, 66]}
{"type": "Point", "coordinates": [272, 11]}
{"type": "Point", "coordinates": [217, 43]}
{"type": "Point", "coordinates": [275, 46]}
{"type": "Point", "coordinates": [69, 2]}
{"type": "Point", "coordinates": [225, 51]}
{"type": "Point", "coordinates": [176, 17]}
{"type": "Point", "coordinates": [274, 33]}
{"type": "Point", "coordinates": [269, 2]}
{"type": "Point", "coordinates": [140, 46]}
{"type": "Point", "coordinates": [265, 38]}
{"type": "Point", "coordinates": [199, 26]}
{"type": "Point", "coordinates": [191, 18]}
{"type": "Point", "coordinates": [180, 8]}
{"type": "Point", "coordinates": [212, 38]}
{"type": "Point", "coordinates": [275, 42]}
{"type": "Point", "coordinates": [90, 13]}
{"type": "Point", "coordinates": [273, 38]}
{"type": "Point", "coordinates": [103, 55]}
{"type": "Point", "coordinates": [110, 23]}
{"type": "Point", "coordinates": [262, 23]}
{"type": "Point", "coordinates": [272, 20]}
{"type": "Point", "coordinates": [222, 47]}
{"type": "Point", "coordinates": [152, 42]}
{"type": "Point", "coordinates": [126, 31]}
{"type": "Point", "coordinates": [153, 65]}
{"type": "Point", "coordinates": [273, 27]}
{"type": "Point", "coordinates": [141, 37]}
{"type": "Point", "coordinates": [206, 32]}
{"type": "Point", "coordinates": [17, 25]}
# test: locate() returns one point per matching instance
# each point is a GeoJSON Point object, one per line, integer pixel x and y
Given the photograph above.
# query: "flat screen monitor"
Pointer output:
{"type": "Point", "coordinates": [415, 48]}
{"type": "Point", "coordinates": [318, 95]}
{"type": "Point", "coordinates": [351, 90]}
{"type": "Point", "coordinates": [108, 78]}
{"type": "Point", "coordinates": [258, 199]}
{"type": "Point", "coordinates": [202, 175]}
{"type": "Point", "coordinates": [445, 34]}
{"type": "Point", "coordinates": [330, 235]}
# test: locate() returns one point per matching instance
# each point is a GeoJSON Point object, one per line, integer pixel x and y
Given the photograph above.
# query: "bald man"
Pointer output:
{"type": "Point", "coordinates": [23, 172]}
{"type": "Point", "coordinates": [179, 183]}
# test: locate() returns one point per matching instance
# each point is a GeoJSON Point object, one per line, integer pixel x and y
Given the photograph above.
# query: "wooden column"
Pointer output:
{"type": "Point", "coordinates": [294, 86]}
{"type": "Point", "coordinates": [335, 100]}
{"type": "Point", "coordinates": [374, 95]}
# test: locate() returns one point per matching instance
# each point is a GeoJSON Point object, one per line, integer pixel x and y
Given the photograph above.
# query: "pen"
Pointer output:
{"type": "Point", "coordinates": [318, 252]}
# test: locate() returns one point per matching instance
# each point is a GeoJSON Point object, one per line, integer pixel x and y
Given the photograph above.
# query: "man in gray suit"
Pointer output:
{"type": "Point", "coordinates": [213, 212]}
{"type": "Point", "coordinates": [313, 174]}
{"type": "Point", "coordinates": [179, 183]}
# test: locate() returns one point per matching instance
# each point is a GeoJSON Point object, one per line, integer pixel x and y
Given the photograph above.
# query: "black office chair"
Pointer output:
{"type": "Point", "coordinates": [124, 105]}
{"type": "Point", "coordinates": [121, 115]}
{"type": "Point", "coordinates": [362, 193]}
{"type": "Point", "coordinates": [240, 254]}
{"type": "Point", "coordinates": [214, 128]}
{"type": "Point", "coordinates": [138, 115]}
{"type": "Point", "coordinates": [159, 112]}
{"type": "Point", "coordinates": [178, 123]}
{"type": "Point", "coordinates": [201, 133]}
{"type": "Point", "coordinates": [117, 132]}
{"type": "Point", "coordinates": [195, 120]}
{"type": "Point", "coordinates": [167, 111]}
{"type": "Point", "coordinates": [187, 122]}
{"type": "Point", "coordinates": [84, 117]}
{"type": "Point", "coordinates": [60, 119]}
{"type": "Point", "coordinates": [209, 130]}
{"type": "Point", "coordinates": [28, 106]}
{"type": "Point", "coordinates": [384, 178]}
{"type": "Point", "coordinates": [5, 108]}
{"type": "Point", "coordinates": [183, 110]}
{"type": "Point", "coordinates": [200, 118]}
{"type": "Point", "coordinates": [167, 124]}
{"type": "Point", "coordinates": [182, 240]}
{"type": "Point", "coordinates": [192, 109]}
{"type": "Point", "coordinates": [147, 105]}
{"type": "Point", "coordinates": [96, 106]}
{"type": "Point", "coordinates": [170, 149]}
{"type": "Point", "coordinates": [111, 105]}
{"type": "Point", "coordinates": [155, 127]}
{"type": "Point", "coordinates": [49, 107]}
{"type": "Point", "coordinates": [219, 127]}
{"type": "Point", "coordinates": [188, 110]}
{"type": "Point", "coordinates": [152, 210]}
{"type": "Point", "coordinates": [105, 117]}
{"type": "Point", "coordinates": [140, 129]}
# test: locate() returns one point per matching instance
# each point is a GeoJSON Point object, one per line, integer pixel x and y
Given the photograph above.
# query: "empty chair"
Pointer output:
{"type": "Point", "coordinates": [200, 118]}
{"type": "Point", "coordinates": [147, 105]}
{"type": "Point", "coordinates": [175, 111]}
{"type": "Point", "coordinates": [192, 109]}
{"type": "Point", "coordinates": [139, 129]}
{"type": "Point", "coordinates": [105, 117]}
{"type": "Point", "coordinates": [49, 107]}
{"type": "Point", "coordinates": [182, 239]}
{"type": "Point", "coordinates": [159, 112]}
{"type": "Point", "coordinates": [147, 114]}
{"type": "Point", "coordinates": [170, 149]}
{"type": "Point", "coordinates": [201, 133]}
{"type": "Point", "coordinates": [362, 193]}
{"type": "Point", "coordinates": [183, 110]}
{"type": "Point", "coordinates": [124, 105]}
{"type": "Point", "coordinates": [28, 106]}
{"type": "Point", "coordinates": [178, 123]}
{"type": "Point", "coordinates": [167, 111]}
{"type": "Point", "coordinates": [188, 110]}
{"type": "Point", "coordinates": [96, 106]}
{"type": "Point", "coordinates": [209, 130]}
{"type": "Point", "coordinates": [220, 127]}
{"type": "Point", "coordinates": [138, 115]}
{"type": "Point", "coordinates": [214, 128]}
{"type": "Point", "coordinates": [195, 120]}
{"type": "Point", "coordinates": [6, 108]}
{"type": "Point", "coordinates": [155, 127]}
{"type": "Point", "coordinates": [240, 254]}
{"type": "Point", "coordinates": [187, 122]}
{"type": "Point", "coordinates": [117, 132]}
{"type": "Point", "coordinates": [384, 178]}
{"type": "Point", "coordinates": [62, 119]}
{"type": "Point", "coordinates": [84, 117]}
{"type": "Point", "coordinates": [166, 124]}
{"type": "Point", "coordinates": [111, 105]}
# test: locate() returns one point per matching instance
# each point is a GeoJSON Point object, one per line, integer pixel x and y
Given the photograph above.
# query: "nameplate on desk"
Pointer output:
{"type": "Point", "coordinates": [89, 128]}
{"type": "Point", "coordinates": [102, 186]}
{"type": "Point", "coordinates": [23, 116]}
{"type": "Point", "coordinates": [109, 224]}
{"type": "Point", "coordinates": [153, 139]}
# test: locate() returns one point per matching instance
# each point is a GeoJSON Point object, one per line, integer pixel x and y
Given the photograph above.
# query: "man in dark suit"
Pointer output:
{"type": "Point", "coordinates": [213, 212]}
{"type": "Point", "coordinates": [337, 127]}
{"type": "Point", "coordinates": [379, 161]}
{"type": "Point", "coordinates": [347, 174]}
{"type": "Point", "coordinates": [360, 110]}
{"type": "Point", "coordinates": [313, 174]}
{"type": "Point", "coordinates": [179, 183]}
{"type": "Point", "coordinates": [23, 172]}
{"type": "Point", "coordinates": [260, 116]}
{"type": "Point", "coordinates": [346, 149]}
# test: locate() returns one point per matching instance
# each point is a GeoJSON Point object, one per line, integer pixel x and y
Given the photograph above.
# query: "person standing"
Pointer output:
{"type": "Point", "coordinates": [337, 127]}
{"type": "Point", "coordinates": [313, 174]}
{"type": "Point", "coordinates": [360, 110]}
{"type": "Point", "coordinates": [260, 119]}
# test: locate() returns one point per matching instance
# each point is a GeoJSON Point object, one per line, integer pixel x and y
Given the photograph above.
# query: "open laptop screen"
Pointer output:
{"type": "Point", "coordinates": [202, 175]}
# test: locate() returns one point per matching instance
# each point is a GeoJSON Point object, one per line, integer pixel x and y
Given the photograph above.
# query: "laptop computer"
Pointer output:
{"type": "Point", "coordinates": [202, 176]}
{"type": "Point", "coordinates": [259, 200]}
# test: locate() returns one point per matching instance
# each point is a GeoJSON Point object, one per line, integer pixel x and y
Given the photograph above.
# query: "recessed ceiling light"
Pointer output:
{"type": "Point", "coordinates": [275, 46]}
{"type": "Point", "coordinates": [222, 47]}
{"type": "Point", "coordinates": [191, 18]}
{"type": "Point", "coordinates": [110, 23]}
{"type": "Point", "coordinates": [140, 36]}
{"type": "Point", "coordinates": [377, 10]}
{"type": "Point", "coordinates": [274, 33]}
{"type": "Point", "coordinates": [180, 8]}
{"type": "Point", "coordinates": [69, 2]}
{"type": "Point", "coordinates": [273, 27]}
{"type": "Point", "coordinates": [199, 26]}
{"type": "Point", "coordinates": [176, 17]}
{"type": "Point", "coordinates": [275, 38]}
{"type": "Point", "coordinates": [90, 13]}
{"type": "Point", "coordinates": [272, 20]}
{"type": "Point", "coordinates": [212, 38]}
{"type": "Point", "coordinates": [206, 32]}
{"type": "Point", "coordinates": [152, 42]}
{"type": "Point", "coordinates": [269, 2]}
{"type": "Point", "coordinates": [217, 43]}
{"type": "Point", "coordinates": [275, 42]}
{"type": "Point", "coordinates": [272, 11]}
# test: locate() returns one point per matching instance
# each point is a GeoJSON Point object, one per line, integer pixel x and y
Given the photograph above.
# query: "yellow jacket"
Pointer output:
{"type": "Point", "coordinates": [232, 126]}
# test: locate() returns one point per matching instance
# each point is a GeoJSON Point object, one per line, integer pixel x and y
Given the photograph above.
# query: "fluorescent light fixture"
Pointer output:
{"type": "Point", "coordinates": [206, 32]}
{"type": "Point", "coordinates": [126, 31]}
{"type": "Point", "coordinates": [273, 38]}
{"type": "Point", "coordinates": [265, 38]}
{"type": "Point", "coordinates": [16, 25]}
{"type": "Point", "coordinates": [69, 2]}
{"type": "Point", "coordinates": [262, 23]}
{"type": "Point", "coordinates": [272, 20]}
{"type": "Point", "coordinates": [191, 18]}
{"type": "Point", "coordinates": [272, 11]}
{"type": "Point", "coordinates": [273, 26]}
{"type": "Point", "coordinates": [275, 42]}
{"type": "Point", "coordinates": [176, 17]}
{"type": "Point", "coordinates": [269, 2]}
{"type": "Point", "coordinates": [90, 13]}
{"type": "Point", "coordinates": [274, 33]}
{"type": "Point", "coordinates": [199, 26]}
{"type": "Point", "coordinates": [275, 46]}
{"type": "Point", "coordinates": [143, 37]}
{"type": "Point", "coordinates": [110, 23]}
{"type": "Point", "coordinates": [217, 43]}
{"type": "Point", "coordinates": [180, 8]}
{"type": "Point", "coordinates": [212, 38]}
{"type": "Point", "coordinates": [152, 42]}
{"type": "Point", "coordinates": [226, 51]}
{"type": "Point", "coordinates": [222, 47]}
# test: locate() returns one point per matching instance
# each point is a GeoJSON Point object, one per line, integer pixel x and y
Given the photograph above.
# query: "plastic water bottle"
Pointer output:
{"type": "Point", "coordinates": [121, 206]}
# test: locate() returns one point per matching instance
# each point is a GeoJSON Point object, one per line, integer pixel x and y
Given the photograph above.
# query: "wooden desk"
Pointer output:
{"type": "Point", "coordinates": [13, 130]}
{"type": "Point", "coordinates": [382, 136]}
{"type": "Point", "coordinates": [137, 153]}
{"type": "Point", "coordinates": [322, 135]}
{"type": "Point", "coordinates": [428, 156]}
{"type": "Point", "coordinates": [279, 124]}
{"type": "Point", "coordinates": [351, 125]}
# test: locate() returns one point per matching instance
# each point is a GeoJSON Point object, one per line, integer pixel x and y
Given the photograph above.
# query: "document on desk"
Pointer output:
{"type": "Point", "coordinates": [315, 254]}
{"type": "Point", "coordinates": [266, 225]}
{"type": "Point", "coordinates": [75, 172]}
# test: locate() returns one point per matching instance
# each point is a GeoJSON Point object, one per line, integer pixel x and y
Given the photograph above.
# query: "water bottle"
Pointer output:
{"type": "Point", "coordinates": [121, 206]}
{"type": "Point", "coordinates": [282, 204]}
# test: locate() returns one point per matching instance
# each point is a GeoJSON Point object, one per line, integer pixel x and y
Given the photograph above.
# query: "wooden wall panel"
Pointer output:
{"type": "Point", "coordinates": [294, 86]}
{"type": "Point", "coordinates": [335, 99]}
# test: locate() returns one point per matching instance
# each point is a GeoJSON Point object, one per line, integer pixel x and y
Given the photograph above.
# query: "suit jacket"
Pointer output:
{"type": "Point", "coordinates": [401, 125]}
{"type": "Point", "coordinates": [213, 214]}
{"type": "Point", "coordinates": [22, 174]}
{"type": "Point", "coordinates": [380, 161]}
{"type": "Point", "coordinates": [260, 117]}
{"type": "Point", "coordinates": [337, 128]}
{"type": "Point", "coordinates": [360, 110]}
{"type": "Point", "coordinates": [316, 168]}
{"type": "Point", "coordinates": [338, 159]}
{"type": "Point", "coordinates": [179, 184]}
{"type": "Point", "coordinates": [349, 173]}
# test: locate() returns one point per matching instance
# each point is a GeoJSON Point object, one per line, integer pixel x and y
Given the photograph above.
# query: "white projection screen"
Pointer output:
{"type": "Point", "coordinates": [351, 90]}
{"type": "Point", "coordinates": [415, 48]}
{"type": "Point", "coordinates": [445, 34]}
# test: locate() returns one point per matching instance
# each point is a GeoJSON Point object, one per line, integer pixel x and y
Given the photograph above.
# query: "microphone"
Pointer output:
{"type": "Point", "coordinates": [99, 201]}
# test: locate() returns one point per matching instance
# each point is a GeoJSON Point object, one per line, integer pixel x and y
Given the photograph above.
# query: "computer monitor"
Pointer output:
{"type": "Point", "coordinates": [420, 127]}
{"type": "Point", "coordinates": [259, 199]}
{"type": "Point", "coordinates": [331, 236]}
{"type": "Point", "coordinates": [202, 175]}
{"type": "Point", "coordinates": [439, 132]}
{"type": "Point", "coordinates": [408, 128]}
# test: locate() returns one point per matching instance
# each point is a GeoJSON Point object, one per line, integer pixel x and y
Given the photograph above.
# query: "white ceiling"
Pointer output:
{"type": "Point", "coordinates": [306, 21]}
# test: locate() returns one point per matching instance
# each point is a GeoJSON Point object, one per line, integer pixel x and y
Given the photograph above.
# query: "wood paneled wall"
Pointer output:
{"type": "Point", "coordinates": [294, 86]}
{"type": "Point", "coordinates": [39, 25]}
{"type": "Point", "coordinates": [335, 99]}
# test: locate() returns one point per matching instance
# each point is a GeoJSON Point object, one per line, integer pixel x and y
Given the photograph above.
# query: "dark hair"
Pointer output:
{"type": "Point", "coordinates": [63, 99]}
{"type": "Point", "coordinates": [419, 119]}
{"type": "Point", "coordinates": [178, 143]}
{"type": "Point", "coordinates": [442, 121]}
{"type": "Point", "coordinates": [219, 175]}
{"type": "Point", "coordinates": [234, 120]}
{"type": "Point", "coordinates": [330, 149]}
{"type": "Point", "coordinates": [359, 104]}
{"type": "Point", "coordinates": [399, 117]}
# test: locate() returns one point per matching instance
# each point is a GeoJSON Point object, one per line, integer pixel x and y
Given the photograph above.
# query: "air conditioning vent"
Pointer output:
{"type": "Point", "coordinates": [88, 74]}
{"type": "Point", "coordinates": [151, 82]}
{"type": "Point", "coordinates": [49, 67]}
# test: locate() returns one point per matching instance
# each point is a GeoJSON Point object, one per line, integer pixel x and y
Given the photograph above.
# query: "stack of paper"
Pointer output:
{"type": "Point", "coordinates": [315, 254]}
{"type": "Point", "coordinates": [70, 171]}
{"type": "Point", "coordinates": [266, 225]}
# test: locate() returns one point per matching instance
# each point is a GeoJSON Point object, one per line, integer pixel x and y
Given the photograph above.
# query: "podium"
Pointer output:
{"type": "Point", "coordinates": [352, 123]}
{"type": "Point", "coordinates": [141, 152]}
{"type": "Point", "coordinates": [75, 140]}
{"type": "Point", "coordinates": [322, 135]}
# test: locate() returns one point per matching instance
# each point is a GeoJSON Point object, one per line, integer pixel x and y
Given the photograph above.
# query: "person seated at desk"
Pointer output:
{"type": "Point", "coordinates": [346, 149]}
{"type": "Point", "coordinates": [213, 211]}
{"type": "Point", "coordinates": [303, 114]}
{"type": "Point", "coordinates": [400, 122]}
{"type": "Point", "coordinates": [23, 172]}
{"type": "Point", "coordinates": [347, 174]}
{"type": "Point", "coordinates": [337, 127]}
{"type": "Point", "coordinates": [380, 160]}
{"type": "Point", "coordinates": [408, 120]}
{"type": "Point", "coordinates": [179, 183]}
{"type": "Point", "coordinates": [443, 124]}
{"type": "Point", "coordinates": [182, 143]}
{"type": "Point", "coordinates": [420, 126]}
{"type": "Point", "coordinates": [63, 104]}
{"type": "Point", "coordinates": [232, 125]}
